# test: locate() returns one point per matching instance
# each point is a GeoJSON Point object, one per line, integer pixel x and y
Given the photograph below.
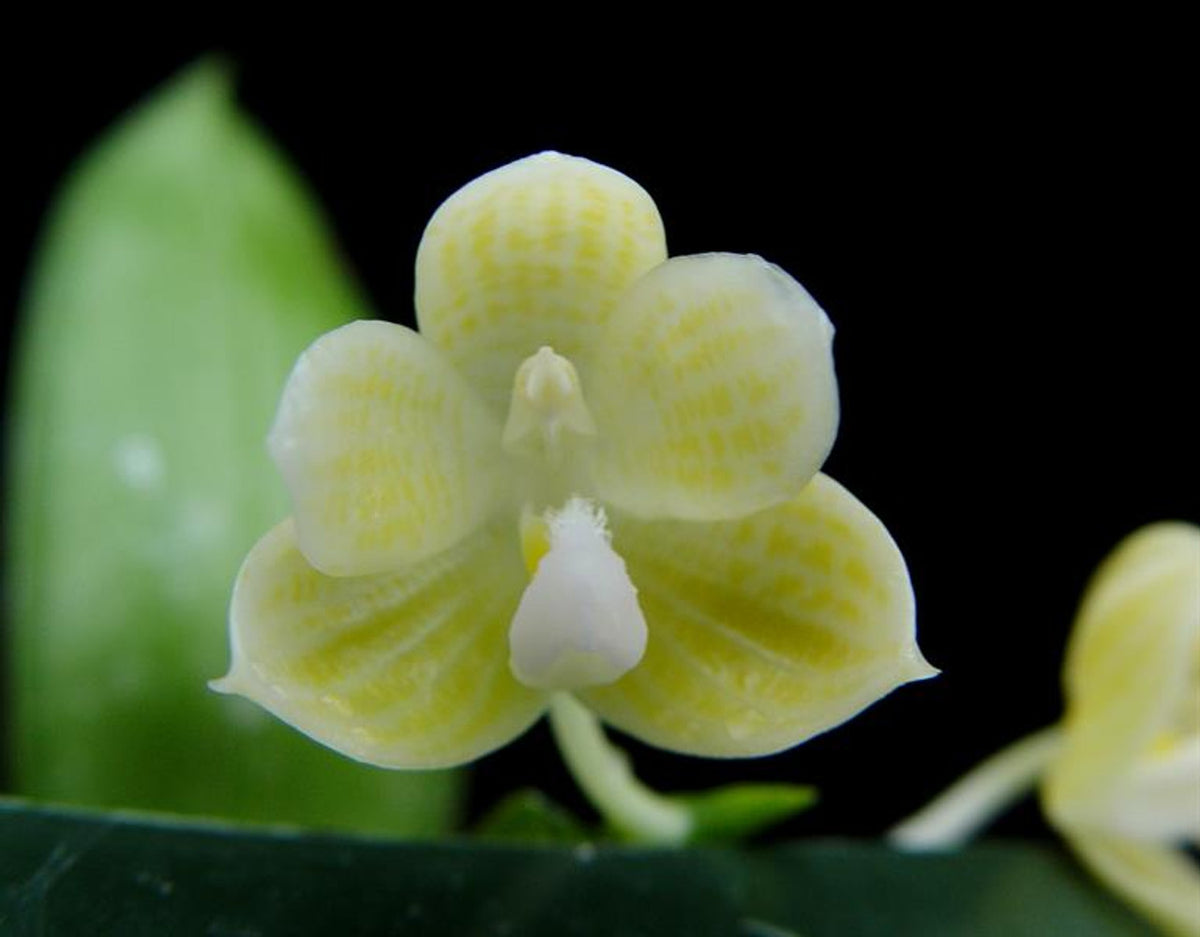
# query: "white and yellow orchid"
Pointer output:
{"type": "Point", "coordinates": [594, 472]}
{"type": "Point", "coordinates": [1124, 788]}
{"type": "Point", "coordinates": [1120, 776]}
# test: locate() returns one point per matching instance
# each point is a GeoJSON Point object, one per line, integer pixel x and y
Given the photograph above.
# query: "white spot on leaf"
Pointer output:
{"type": "Point", "coordinates": [139, 463]}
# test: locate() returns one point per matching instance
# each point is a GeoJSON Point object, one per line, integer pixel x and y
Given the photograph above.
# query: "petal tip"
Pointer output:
{"type": "Point", "coordinates": [918, 668]}
{"type": "Point", "coordinates": [228, 685]}
{"type": "Point", "coordinates": [239, 681]}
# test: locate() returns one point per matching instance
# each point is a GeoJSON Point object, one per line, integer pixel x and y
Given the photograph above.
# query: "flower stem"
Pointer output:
{"type": "Point", "coordinates": [969, 804]}
{"type": "Point", "coordinates": [603, 774]}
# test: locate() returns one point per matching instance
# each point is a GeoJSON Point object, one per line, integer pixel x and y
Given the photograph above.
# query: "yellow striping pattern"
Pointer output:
{"type": "Point", "coordinates": [387, 453]}
{"type": "Point", "coordinates": [714, 393]}
{"type": "Point", "coordinates": [763, 631]}
{"type": "Point", "coordinates": [408, 669]}
{"type": "Point", "coordinates": [534, 253]}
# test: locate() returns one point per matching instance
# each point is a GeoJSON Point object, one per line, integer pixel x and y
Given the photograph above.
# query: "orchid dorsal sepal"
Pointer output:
{"type": "Point", "coordinates": [578, 623]}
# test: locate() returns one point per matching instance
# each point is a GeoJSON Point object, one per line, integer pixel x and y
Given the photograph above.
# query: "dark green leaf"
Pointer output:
{"type": "Point", "coordinates": [182, 271]}
{"type": "Point", "coordinates": [71, 874]}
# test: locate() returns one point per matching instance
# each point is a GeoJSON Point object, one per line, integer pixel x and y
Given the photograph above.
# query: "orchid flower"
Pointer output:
{"type": "Point", "coordinates": [1120, 776]}
{"type": "Point", "coordinates": [591, 477]}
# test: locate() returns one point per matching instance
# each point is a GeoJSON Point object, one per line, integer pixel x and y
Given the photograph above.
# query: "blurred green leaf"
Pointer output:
{"type": "Point", "coordinates": [529, 816]}
{"type": "Point", "coordinates": [736, 811]}
{"type": "Point", "coordinates": [69, 874]}
{"type": "Point", "coordinates": [182, 271]}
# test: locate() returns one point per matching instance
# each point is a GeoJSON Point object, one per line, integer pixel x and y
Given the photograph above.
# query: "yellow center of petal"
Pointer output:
{"type": "Point", "coordinates": [535, 539]}
{"type": "Point", "coordinates": [547, 407]}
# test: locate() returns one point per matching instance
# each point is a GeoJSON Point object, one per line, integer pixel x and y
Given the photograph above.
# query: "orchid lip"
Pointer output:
{"type": "Point", "coordinates": [579, 623]}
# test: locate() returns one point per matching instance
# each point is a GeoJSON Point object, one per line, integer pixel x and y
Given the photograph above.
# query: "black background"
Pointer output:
{"type": "Point", "coordinates": [998, 237]}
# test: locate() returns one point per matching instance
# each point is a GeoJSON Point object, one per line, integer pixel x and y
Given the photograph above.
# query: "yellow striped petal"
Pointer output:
{"type": "Point", "coordinates": [714, 393]}
{"type": "Point", "coordinates": [406, 670]}
{"type": "Point", "coordinates": [534, 253]}
{"type": "Point", "coordinates": [1132, 681]}
{"type": "Point", "coordinates": [1161, 882]}
{"type": "Point", "coordinates": [387, 453]}
{"type": "Point", "coordinates": [763, 631]}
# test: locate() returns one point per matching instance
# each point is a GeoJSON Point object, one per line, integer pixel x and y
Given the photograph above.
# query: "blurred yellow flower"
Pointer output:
{"type": "Point", "coordinates": [1124, 786]}
{"type": "Point", "coordinates": [594, 471]}
{"type": "Point", "coordinates": [1120, 776]}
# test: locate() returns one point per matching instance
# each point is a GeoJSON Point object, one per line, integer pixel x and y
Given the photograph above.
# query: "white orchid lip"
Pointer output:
{"type": "Point", "coordinates": [579, 623]}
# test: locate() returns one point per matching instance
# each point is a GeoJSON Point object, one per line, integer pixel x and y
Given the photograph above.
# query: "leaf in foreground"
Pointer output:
{"type": "Point", "coordinates": [67, 874]}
